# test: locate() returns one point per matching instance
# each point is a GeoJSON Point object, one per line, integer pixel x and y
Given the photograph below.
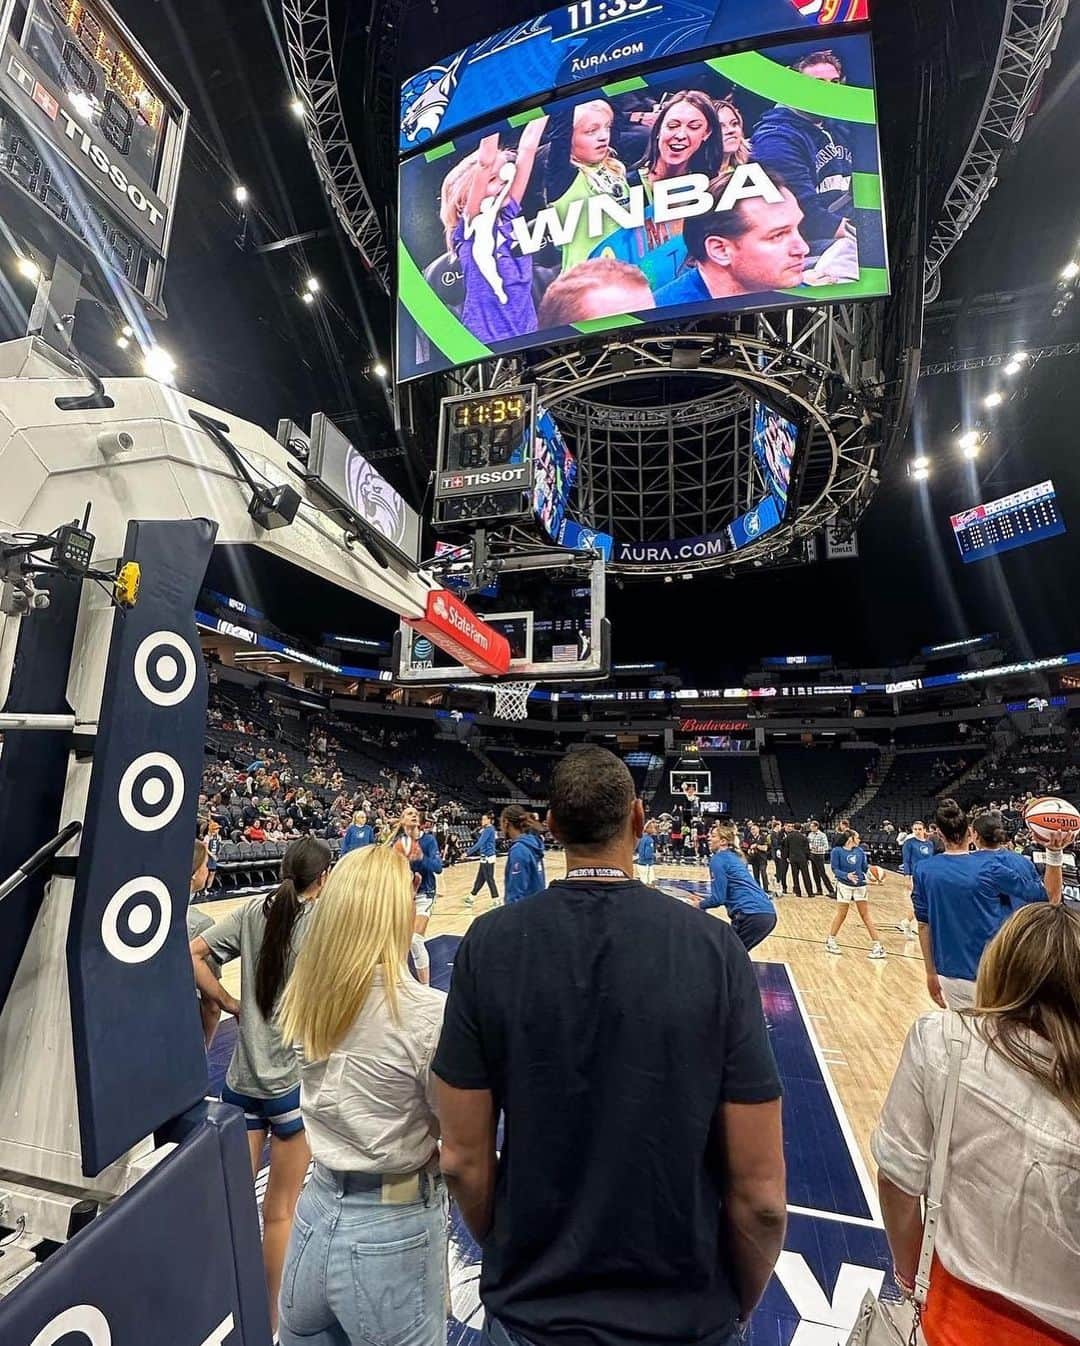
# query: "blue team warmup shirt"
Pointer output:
{"type": "Point", "coordinates": [646, 850]}
{"type": "Point", "coordinates": [849, 866]}
{"type": "Point", "coordinates": [485, 844]}
{"type": "Point", "coordinates": [356, 837]}
{"type": "Point", "coordinates": [731, 886]}
{"type": "Point", "coordinates": [966, 899]}
{"type": "Point", "coordinates": [914, 852]}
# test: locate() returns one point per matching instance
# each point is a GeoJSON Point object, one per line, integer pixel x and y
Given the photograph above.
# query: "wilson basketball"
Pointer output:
{"type": "Point", "coordinates": [1048, 814]}
{"type": "Point", "coordinates": [875, 874]}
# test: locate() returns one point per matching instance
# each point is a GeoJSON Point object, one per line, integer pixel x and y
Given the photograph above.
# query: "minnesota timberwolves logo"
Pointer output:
{"type": "Point", "coordinates": [426, 97]}
{"type": "Point", "coordinates": [753, 524]}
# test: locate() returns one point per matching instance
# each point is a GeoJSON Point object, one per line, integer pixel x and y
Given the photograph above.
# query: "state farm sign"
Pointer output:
{"type": "Point", "coordinates": [455, 628]}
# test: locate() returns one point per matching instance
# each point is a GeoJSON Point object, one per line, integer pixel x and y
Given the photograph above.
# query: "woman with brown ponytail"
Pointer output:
{"type": "Point", "coordinates": [264, 1075]}
{"type": "Point", "coordinates": [525, 861]}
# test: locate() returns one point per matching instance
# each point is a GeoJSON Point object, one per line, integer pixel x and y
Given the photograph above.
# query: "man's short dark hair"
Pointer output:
{"type": "Point", "coordinates": [592, 795]}
{"type": "Point", "coordinates": [730, 224]}
{"type": "Point", "coordinates": [820, 58]}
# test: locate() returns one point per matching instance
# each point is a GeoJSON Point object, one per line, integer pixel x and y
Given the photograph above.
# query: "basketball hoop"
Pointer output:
{"type": "Point", "coordinates": [512, 700]}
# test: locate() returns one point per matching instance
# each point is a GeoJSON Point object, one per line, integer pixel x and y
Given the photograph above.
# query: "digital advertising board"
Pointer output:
{"type": "Point", "coordinates": [1016, 520]}
{"type": "Point", "coordinates": [737, 183]}
{"type": "Point", "coordinates": [587, 39]}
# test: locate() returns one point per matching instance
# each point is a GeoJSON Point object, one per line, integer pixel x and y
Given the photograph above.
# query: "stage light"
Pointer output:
{"type": "Point", "coordinates": [297, 109]}
{"type": "Point", "coordinates": [313, 284]}
{"type": "Point", "coordinates": [971, 450]}
{"type": "Point", "coordinates": [969, 439]}
{"type": "Point", "coordinates": [308, 297]}
{"type": "Point", "coordinates": [123, 342]}
{"type": "Point", "coordinates": [1071, 271]}
{"type": "Point", "coordinates": [921, 464]}
{"type": "Point", "coordinates": [241, 195]}
{"type": "Point", "coordinates": [1021, 355]}
{"type": "Point", "coordinates": [379, 369]}
{"type": "Point", "coordinates": [28, 268]}
{"type": "Point", "coordinates": [921, 473]}
{"type": "Point", "coordinates": [1013, 367]}
{"type": "Point", "coordinates": [127, 330]}
{"type": "Point", "coordinates": [993, 400]}
{"type": "Point", "coordinates": [159, 365]}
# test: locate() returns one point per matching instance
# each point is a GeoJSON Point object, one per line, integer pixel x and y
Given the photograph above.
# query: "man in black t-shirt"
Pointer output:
{"type": "Point", "coordinates": [639, 1194]}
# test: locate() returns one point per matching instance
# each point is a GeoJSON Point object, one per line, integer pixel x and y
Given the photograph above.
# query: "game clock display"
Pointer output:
{"type": "Point", "coordinates": [485, 462]}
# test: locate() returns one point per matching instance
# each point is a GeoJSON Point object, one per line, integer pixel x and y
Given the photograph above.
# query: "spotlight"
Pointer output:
{"type": "Point", "coordinates": [28, 268]}
{"type": "Point", "coordinates": [379, 369]}
{"type": "Point", "coordinates": [969, 439]}
{"type": "Point", "coordinates": [1021, 355]}
{"type": "Point", "coordinates": [921, 464]}
{"type": "Point", "coordinates": [971, 450]}
{"type": "Point", "coordinates": [313, 284]}
{"type": "Point", "coordinates": [127, 330]}
{"type": "Point", "coordinates": [993, 400]}
{"type": "Point", "coordinates": [921, 473]}
{"type": "Point", "coordinates": [123, 342]}
{"type": "Point", "coordinates": [1071, 271]}
{"type": "Point", "coordinates": [241, 195]}
{"type": "Point", "coordinates": [297, 109]}
{"type": "Point", "coordinates": [1013, 367]}
{"type": "Point", "coordinates": [308, 297]}
{"type": "Point", "coordinates": [159, 365]}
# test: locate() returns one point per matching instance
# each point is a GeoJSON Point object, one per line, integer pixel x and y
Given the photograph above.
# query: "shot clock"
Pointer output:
{"type": "Point", "coordinates": [91, 141]}
{"type": "Point", "coordinates": [485, 457]}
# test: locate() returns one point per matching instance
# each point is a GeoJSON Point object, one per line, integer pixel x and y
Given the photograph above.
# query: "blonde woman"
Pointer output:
{"type": "Point", "coordinates": [1008, 1241]}
{"type": "Point", "coordinates": [367, 1258]}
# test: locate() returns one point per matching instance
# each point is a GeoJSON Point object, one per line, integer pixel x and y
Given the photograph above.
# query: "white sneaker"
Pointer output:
{"type": "Point", "coordinates": [831, 945]}
{"type": "Point", "coordinates": [468, 901]}
{"type": "Point", "coordinates": [877, 951]}
{"type": "Point", "coordinates": [907, 929]}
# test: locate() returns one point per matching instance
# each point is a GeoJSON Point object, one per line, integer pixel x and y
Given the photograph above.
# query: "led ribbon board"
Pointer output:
{"type": "Point", "coordinates": [507, 241]}
{"type": "Point", "coordinates": [91, 140]}
{"type": "Point", "coordinates": [584, 40]}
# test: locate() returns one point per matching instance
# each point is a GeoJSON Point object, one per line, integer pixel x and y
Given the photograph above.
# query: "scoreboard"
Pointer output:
{"type": "Point", "coordinates": [91, 142]}
{"type": "Point", "coordinates": [1014, 521]}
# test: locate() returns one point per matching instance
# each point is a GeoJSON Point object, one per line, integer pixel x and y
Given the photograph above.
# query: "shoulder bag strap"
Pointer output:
{"type": "Point", "coordinates": [959, 1046]}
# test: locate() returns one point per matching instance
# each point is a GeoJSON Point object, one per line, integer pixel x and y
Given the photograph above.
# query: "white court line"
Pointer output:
{"type": "Point", "coordinates": [841, 1116]}
{"type": "Point", "coordinates": [835, 1216]}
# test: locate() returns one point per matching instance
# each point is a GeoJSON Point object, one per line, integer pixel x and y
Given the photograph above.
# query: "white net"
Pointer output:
{"type": "Point", "coordinates": [512, 700]}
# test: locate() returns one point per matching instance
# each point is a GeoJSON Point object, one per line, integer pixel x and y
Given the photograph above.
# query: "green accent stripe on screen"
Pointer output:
{"type": "Point", "coordinates": [625, 86]}
{"type": "Point", "coordinates": [432, 316]}
{"type": "Point", "coordinates": [873, 282]}
{"type": "Point", "coordinates": [588, 326]}
{"type": "Point", "coordinates": [520, 118]}
{"type": "Point", "coordinates": [440, 153]}
{"type": "Point", "coordinates": [866, 191]}
{"type": "Point", "coordinates": [768, 79]}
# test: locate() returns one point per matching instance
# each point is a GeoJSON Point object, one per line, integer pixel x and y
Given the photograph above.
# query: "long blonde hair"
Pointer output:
{"type": "Point", "coordinates": [455, 194]}
{"type": "Point", "coordinates": [363, 921]}
{"type": "Point", "coordinates": [1029, 979]}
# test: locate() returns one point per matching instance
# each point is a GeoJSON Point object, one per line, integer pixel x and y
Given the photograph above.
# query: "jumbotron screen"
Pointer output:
{"type": "Point", "coordinates": [741, 182]}
{"type": "Point", "coordinates": [586, 39]}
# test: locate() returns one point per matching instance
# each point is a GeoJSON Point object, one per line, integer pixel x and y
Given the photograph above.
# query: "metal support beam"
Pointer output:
{"type": "Point", "coordinates": [1034, 355]}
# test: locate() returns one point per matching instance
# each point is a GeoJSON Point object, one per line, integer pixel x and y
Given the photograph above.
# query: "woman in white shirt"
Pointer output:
{"type": "Point", "coordinates": [1007, 1252]}
{"type": "Point", "coordinates": [367, 1258]}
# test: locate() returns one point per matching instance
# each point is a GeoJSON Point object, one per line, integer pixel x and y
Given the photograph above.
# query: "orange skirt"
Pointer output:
{"type": "Point", "coordinates": [958, 1314]}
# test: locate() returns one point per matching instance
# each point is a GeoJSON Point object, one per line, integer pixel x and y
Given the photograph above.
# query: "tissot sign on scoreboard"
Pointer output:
{"type": "Point", "coordinates": [584, 40]}
{"type": "Point", "coordinates": [91, 138]}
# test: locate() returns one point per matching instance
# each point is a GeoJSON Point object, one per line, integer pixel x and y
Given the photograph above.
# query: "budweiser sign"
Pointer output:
{"type": "Point", "coordinates": [455, 628]}
{"type": "Point", "coordinates": [712, 726]}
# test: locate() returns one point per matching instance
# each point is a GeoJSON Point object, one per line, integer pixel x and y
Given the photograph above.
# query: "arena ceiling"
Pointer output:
{"type": "Point", "coordinates": [244, 341]}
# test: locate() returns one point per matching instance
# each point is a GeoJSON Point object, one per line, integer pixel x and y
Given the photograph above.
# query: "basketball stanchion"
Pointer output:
{"type": "Point", "coordinates": [512, 700]}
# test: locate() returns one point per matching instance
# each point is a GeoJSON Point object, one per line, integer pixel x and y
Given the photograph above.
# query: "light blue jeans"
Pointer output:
{"type": "Point", "coordinates": [360, 1272]}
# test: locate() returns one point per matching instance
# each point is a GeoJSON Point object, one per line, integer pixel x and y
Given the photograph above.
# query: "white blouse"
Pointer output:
{"type": "Point", "coordinates": [368, 1107]}
{"type": "Point", "coordinates": [1011, 1207]}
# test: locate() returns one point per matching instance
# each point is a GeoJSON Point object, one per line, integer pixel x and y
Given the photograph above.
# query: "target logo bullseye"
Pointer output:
{"type": "Point", "coordinates": [135, 923]}
{"type": "Point", "coordinates": [165, 668]}
{"type": "Point", "coordinates": [151, 792]}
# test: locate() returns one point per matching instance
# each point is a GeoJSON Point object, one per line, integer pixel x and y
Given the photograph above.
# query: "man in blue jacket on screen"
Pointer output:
{"type": "Point", "coordinates": [812, 157]}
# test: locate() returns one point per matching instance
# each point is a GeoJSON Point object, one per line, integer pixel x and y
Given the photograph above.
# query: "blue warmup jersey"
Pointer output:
{"type": "Point", "coordinates": [966, 899]}
{"type": "Point", "coordinates": [731, 885]}
{"type": "Point", "coordinates": [849, 866]}
{"type": "Point", "coordinates": [914, 852]}
{"type": "Point", "coordinates": [646, 850]}
{"type": "Point", "coordinates": [485, 844]}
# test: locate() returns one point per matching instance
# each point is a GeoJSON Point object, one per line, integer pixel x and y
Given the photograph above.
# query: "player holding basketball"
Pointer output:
{"type": "Point", "coordinates": [849, 866]}
{"type": "Point", "coordinates": [645, 856]}
{"type": "Point", "coordinates": [484, 849]}
{"type": "Point", "coordinates": [753, 916]}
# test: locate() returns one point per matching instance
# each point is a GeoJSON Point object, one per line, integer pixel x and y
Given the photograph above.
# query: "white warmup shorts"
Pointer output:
{"type": "Point", "coordinates": [646, 873]}
{"type": "Point", "coordinates": [423, 903]}
{"type": "Point", "coordinates": [850, 892]}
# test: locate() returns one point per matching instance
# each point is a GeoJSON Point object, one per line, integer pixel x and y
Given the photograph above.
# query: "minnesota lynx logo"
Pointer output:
{"type": "Point", "coordinates": [426, 97]}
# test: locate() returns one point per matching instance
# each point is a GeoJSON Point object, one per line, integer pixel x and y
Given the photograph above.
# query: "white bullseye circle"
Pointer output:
{"type": "Point", "coordinates": [139, 920]}
{"type": "Point", "coordinates": [152, 649]}
{"type": "Point", "coordinates": [167, 668]}
{"type": "Point", "coordinates": [151, 793]}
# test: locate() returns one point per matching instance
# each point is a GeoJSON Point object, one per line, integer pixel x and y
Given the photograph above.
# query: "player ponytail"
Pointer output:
{"type": "Point", "coordinates": [990, 830]}
{"type": "Point", "coordinates": [305, 861]}
{"type": "Point", "coordinates": [520, 819]}
{"type": "Point", "coordinates": [953, 823]}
